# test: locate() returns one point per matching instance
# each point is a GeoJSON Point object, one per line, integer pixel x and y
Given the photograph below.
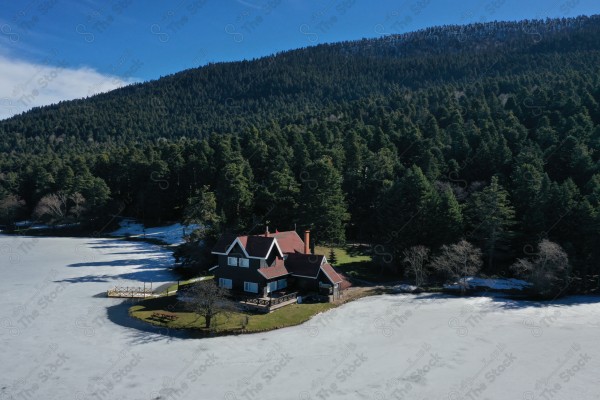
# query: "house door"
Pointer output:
{"type": "Point", "coordinates": [271, 286]}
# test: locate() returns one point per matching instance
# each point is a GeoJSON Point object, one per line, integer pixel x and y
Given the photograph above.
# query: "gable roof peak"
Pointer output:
{"type": "Point", "coordinates": [253, 246]}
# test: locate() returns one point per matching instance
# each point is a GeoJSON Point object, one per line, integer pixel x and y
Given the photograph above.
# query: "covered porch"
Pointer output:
{"type": "Point", "coordinates": [273, 301]}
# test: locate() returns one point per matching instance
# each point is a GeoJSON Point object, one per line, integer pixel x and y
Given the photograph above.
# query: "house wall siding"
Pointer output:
{"type": "Point", "coordinates": [255, 263]}
{"type": "Point", "coordinates": [323, 278]}
{"type": "Point", "coordinates": [301, 283]}
{"type": "Point", "coordinates": [237, 251]}
{"type": "Point", "coordinates": [239, 275]}
{"type": "Point", "coordinates": [271, 259]}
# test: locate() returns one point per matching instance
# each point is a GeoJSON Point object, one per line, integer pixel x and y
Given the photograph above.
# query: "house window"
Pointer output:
{"type": "Point", "coordinates": [244, 262]}
{"type": "Point", "coordinates": [271, 286]}
{"type": "Point", "coordinates": [225, 283]}
{"type": "Point", "coordinates": [232, 261]}
{"type": "Point", "coordinates": [251, 287]}
{"type": "Point", "coordinates": [282, 283]}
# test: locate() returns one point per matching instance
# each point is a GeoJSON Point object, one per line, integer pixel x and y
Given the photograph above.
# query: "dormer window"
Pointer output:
{"type": "Point", "coordinates": [232, 261]}
{"type": "Point", "coordinates": [244, 262]}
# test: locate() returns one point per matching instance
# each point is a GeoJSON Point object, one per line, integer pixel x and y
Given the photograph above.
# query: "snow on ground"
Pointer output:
{"type": "Point", "coordinates": [493, 283]}
{"type": "Point", "coordinates": [498, 284]}
{"type": "Point", "coordinates": [56, 341]}
{"type": "Point", "coordinates": [403, 287]}
{"type": "Point", "coordinates": [171, 234]}
{"type": "Point", "coordinates": [23, 223]}
{"type": "Point", "coordinates": [32, 225]}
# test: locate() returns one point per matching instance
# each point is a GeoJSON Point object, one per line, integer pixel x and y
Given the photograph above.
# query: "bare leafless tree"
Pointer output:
{"type": "Point", "coordinates": [58, 206]}
{"type": "Point", "coordinates": [79, 204]}
{"type": "Point", "coordinates": [415, 258]}
{"type": "Point", "coordinates": [548, 271]}
{"type": "Point", "coordinates": [52, 206]}
{"type": "Point", "coordinates": [208, 300]}
{"type": "Point", "coordinates": [459, 261]}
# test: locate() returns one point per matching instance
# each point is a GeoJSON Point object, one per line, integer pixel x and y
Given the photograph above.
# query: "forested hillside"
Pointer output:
{"type": "Point", "coordinates": [488, 132]}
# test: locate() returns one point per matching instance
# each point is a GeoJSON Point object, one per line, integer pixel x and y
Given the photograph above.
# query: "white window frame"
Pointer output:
{"type": "Point", "coordinates": [232, 261]}
{"type": "Point", "coordinates": [270, 287]}
{"type": "Point", "coordinates": [244, 262]}
{"type": "Point", "coordinates": [251, 287]}
{"type": "Point", "coordinates": [282, 283]}
{"type": "Point", "coordinates": [225, 283]}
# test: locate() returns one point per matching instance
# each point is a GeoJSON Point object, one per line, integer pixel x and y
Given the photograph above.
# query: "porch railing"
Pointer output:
{"type": "Point", "coordinates": [270, 301]}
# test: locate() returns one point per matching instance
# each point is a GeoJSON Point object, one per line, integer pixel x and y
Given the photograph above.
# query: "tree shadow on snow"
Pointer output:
{"type": "Point", "coordinates": [511, 302]}
{"type": "Point", "coordinates": [147, 251]}
{"type": "Point", "coordinates": [143, 332]}
{"type": "Point", "coordinates": [132, 247]}
{"type": "Point", "coordinates": [105, 246]}
{"type": "Point", "coordinates": [87, 279]}
{"type": "Point", "coordinates": [145, 275]}
{"type": "Point", "coordinates": [508, 301]}
{"type": "Point", "coordinates": [146, 263]}
{"type": "Point", "coordinates": [427, 296]}
{"type": "Point", "coordinates": [155, 268]}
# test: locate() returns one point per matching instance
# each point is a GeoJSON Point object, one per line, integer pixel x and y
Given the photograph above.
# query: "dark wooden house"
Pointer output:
{"type": "Point", "coordinates": [267, 263]}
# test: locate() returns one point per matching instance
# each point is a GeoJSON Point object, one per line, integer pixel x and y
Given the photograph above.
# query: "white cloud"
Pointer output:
{"type": "Point", "coordinates": [24, 85]}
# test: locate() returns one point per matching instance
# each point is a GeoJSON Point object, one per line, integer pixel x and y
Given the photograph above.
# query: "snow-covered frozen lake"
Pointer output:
{"type": "Point", "coordinates": [58, 342]}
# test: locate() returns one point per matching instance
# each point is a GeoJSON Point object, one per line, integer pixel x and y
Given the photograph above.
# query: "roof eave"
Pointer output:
{"type": "Point", "coordinates": [278, 276]}
{"type": "Point", "coordinates": [305, 276]}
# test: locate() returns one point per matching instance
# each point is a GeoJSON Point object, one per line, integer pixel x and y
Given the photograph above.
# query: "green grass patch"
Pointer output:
{"type": "Point", "coordinates": [349, 254]}
{"type": "Point", "coordinates": [236, 322]}
{"type": "Point", "coordinates": [291, 315]}
{"type": "Point", "coordinates": [366, 271]}
{"type": "Point", "coordinates": [355, 261]}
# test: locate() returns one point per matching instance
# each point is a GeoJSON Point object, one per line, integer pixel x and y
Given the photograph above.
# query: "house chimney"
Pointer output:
{"type": "Point", "coordinates": [267, 231]}
{"type": "Point", "coordinates": [307, 242]}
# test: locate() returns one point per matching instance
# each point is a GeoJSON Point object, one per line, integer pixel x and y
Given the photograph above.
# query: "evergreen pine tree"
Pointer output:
{"type": "Point", "coordinates": [492, 221]}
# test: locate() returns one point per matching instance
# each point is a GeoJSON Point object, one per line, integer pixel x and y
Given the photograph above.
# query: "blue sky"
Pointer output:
{"type": "Point", "coordinates": [52, 50]}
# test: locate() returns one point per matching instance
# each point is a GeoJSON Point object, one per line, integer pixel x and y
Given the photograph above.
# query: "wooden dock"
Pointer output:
{"type": "Point", "coordinates": [140, 292]}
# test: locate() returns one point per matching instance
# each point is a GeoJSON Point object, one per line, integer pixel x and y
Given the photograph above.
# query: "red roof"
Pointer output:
{"type": "Point", "coordinates": [255, 246]}
{"type": "Point", "coordinates": [304, 264]}
{"type": "Point", "coordinates": [259, 245]}
{"type": "Point", "coordinates": [331, 274]}
{"type": "Point", "coordinates": [223, 243]}
{"type": "Point", "coordinates": [289, 241]}
{"type": "Point", "coordinates": [296, 263]}
{"type": "Point", "coordinates": [275, 271]}
{"type": "Point", "coordinates": [345, 284]}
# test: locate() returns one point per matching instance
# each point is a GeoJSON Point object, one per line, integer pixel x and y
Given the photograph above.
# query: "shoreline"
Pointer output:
{"type": "Point", "coordinates": [120, 314]}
